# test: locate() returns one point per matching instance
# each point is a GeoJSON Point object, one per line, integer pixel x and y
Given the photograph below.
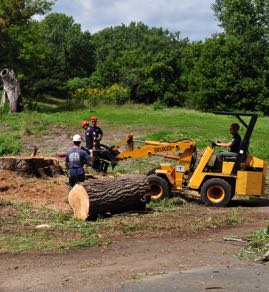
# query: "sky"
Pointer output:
{"type": "Point", "coordinates": [193, 18]}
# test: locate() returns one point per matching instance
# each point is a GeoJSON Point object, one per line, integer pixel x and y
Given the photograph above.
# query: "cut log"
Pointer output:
{"type": "Point", "coordinates": [11, 91]}
{"type": "Point", "coordinates": [38, 166]}
{"type": "Point", "coordinates": [109, 195]}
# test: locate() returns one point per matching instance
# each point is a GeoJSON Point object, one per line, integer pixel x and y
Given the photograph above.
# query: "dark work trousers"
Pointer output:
{"type": "Point", "coordinates": [73, 179]}
{"type": "Point", "coordinates": [219, 159]}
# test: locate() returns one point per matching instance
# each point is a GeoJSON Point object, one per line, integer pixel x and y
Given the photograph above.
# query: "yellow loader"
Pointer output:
{"type": "Point", "coordinates": [241, 175]}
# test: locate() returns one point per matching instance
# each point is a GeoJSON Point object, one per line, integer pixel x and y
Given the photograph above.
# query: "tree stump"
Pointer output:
{"type": "Point", "coordinates": [11, 91]}
{"type": "Point", "coordinates": [38, 166]}
{"type": "Point", "coordinates": [109, 195]}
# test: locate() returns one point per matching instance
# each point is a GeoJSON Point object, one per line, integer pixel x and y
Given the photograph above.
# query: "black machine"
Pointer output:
{"type": "Point", "coordinates": [102, 157]}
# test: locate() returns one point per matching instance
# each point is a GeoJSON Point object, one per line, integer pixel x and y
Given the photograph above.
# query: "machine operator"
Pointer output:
{"type": "Point", "coordinates": [234, 146]}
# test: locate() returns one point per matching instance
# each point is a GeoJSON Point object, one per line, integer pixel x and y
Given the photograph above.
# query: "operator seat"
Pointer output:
{"type": "Point", "coordinates": [233, 158]}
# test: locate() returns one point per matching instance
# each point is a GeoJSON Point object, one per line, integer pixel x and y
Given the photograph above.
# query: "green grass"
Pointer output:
{"type": "Point", "coordinates": [166, 124]}
{"type": "Point", "coordinates": [19, 221]}
{"type": "Point", "coordinates": [18, 230]}
{"type": "Point", "coordinates": [258, 244]}
{"type": "Point", "coordinates": [9, 144]}
{"type": "Point", "coordinates": [171, 203]}
{"type": "Point", "coordinates": [137, 165]}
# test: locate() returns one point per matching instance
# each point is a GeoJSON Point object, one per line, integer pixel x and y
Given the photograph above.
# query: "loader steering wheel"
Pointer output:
{"type": "Point", "coordinates": [213, 144]}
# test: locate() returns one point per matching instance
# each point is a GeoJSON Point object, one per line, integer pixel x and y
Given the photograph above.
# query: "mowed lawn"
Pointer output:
{"type": "Point", "coordinates": [164, 124]}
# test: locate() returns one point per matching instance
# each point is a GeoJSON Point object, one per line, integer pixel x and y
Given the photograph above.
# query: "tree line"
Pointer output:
{"type": "Point", "coordinates": [227, 71]}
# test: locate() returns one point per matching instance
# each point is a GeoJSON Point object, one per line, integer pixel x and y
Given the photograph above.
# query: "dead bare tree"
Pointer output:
{"type": "Point", "coordinates": [11, 91]}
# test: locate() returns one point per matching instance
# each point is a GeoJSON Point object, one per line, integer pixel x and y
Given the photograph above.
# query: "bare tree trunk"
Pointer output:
{"type": "Point", "coordinates": [11, 91]}
{"type": "Point", "coordinates": [109, 195]}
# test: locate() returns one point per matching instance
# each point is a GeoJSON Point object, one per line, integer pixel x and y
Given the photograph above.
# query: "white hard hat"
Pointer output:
{"type": "Point", "coordinates": [77, 138]}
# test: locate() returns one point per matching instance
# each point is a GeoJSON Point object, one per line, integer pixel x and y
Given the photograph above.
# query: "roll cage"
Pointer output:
{"type": "Point", "coordinates": [245, 142]}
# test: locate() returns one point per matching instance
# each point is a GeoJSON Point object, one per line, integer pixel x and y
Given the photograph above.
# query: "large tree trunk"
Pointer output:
{"type": "Point", "coordinates": [34, 166]}
{"type": "Point", "coordinates": [11, 91]}
{"type": "Point", "coordinates": [109, 195]}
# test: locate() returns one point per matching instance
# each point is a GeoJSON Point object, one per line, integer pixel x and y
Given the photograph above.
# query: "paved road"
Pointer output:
{"type": "Point", "coordinates": [251, 278]}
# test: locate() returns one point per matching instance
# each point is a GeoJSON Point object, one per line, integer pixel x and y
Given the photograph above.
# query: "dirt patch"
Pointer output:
{"type": "Point", "coordinates": [55, 141]}
{"type": "Point", "coordinates": [59, 138]}
{"type": "Point", "coordinates": [50, 192]}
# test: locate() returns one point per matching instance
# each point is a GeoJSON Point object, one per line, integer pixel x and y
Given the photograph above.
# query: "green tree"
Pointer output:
{"type": "Point", "coordinates": [142, 58]}
{"type": "Point", "coordinates": [71, 50]}
{"type": "Point", "coordinates": [48, 53]}
{"type": "Point", "coordinates": [228, 75]}
{"type": "Point", "coordinates": [244, 18]}
{"type": "Point", "coordinates": [15, 22]}
{"type": "Point", "coordinates": [232, 70]}
{"type": "Point", "coordinates": [189, 57]}
{"type": "Point", "coordinates": [68, 53]}
{"type": "Point", "coordinates": [248, 22]}
{"type": "Point", "coordinates": [21, 47]}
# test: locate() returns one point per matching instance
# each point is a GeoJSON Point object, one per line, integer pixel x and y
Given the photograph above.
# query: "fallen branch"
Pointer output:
{"type": "Point", "coordinates": [235, 239]}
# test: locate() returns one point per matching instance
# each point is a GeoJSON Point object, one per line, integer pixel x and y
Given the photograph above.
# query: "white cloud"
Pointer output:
{"type": "Point", "coordinates": [193, 18]}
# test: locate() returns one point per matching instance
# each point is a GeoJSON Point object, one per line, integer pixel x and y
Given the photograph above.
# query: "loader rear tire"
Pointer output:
{"type": "Point", "coordinates": [159, 188]}
{"type": "Point", "coordinates": [216, 192]}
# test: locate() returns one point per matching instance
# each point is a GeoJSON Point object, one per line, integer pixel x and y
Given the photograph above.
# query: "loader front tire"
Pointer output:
{"type": "Point", "coordinates": [152, 171]}
{"type": "Point", "coordinates": [159, 188]}
{"type": "Point", "coordinates": [216, 192]}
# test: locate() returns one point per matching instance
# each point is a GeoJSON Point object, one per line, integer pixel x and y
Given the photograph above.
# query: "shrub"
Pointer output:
{"type": "Point", "coordinates": [158, 105]}
{"type": "Point", "coordinates": [115, 94]}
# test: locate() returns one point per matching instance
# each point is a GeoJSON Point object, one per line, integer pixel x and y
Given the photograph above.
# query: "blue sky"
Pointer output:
{"type": "Point", "coordinates": [193, 18]}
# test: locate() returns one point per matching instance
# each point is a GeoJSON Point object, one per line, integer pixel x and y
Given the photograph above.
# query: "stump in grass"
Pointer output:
{"type": "Point", "coordinates": [109, 195]}
{"type": "Point", "coordinates": [38, 166]}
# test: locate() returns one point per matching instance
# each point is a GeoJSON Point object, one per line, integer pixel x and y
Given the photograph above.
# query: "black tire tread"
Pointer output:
{"type": "Point", "coordinates": [153, 178]}
{"type": "Point", "coordinates": [220, 182]}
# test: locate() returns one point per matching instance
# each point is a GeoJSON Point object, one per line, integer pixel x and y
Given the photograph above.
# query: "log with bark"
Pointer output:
{"type": "Point", "coordinates": [37, 166]}
{"type": "Point", "coordinates": [109, 195]}
{"type": "Point", "coordinates": [11, 91]}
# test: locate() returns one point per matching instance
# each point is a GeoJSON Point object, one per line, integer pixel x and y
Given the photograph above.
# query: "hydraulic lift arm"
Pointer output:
{"type": "Point", "coordinates": [156, 148]}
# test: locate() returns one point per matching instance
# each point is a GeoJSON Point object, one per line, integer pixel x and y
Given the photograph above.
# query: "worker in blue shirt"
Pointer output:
{"type": "Point", "coordinates": [75, 160]}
